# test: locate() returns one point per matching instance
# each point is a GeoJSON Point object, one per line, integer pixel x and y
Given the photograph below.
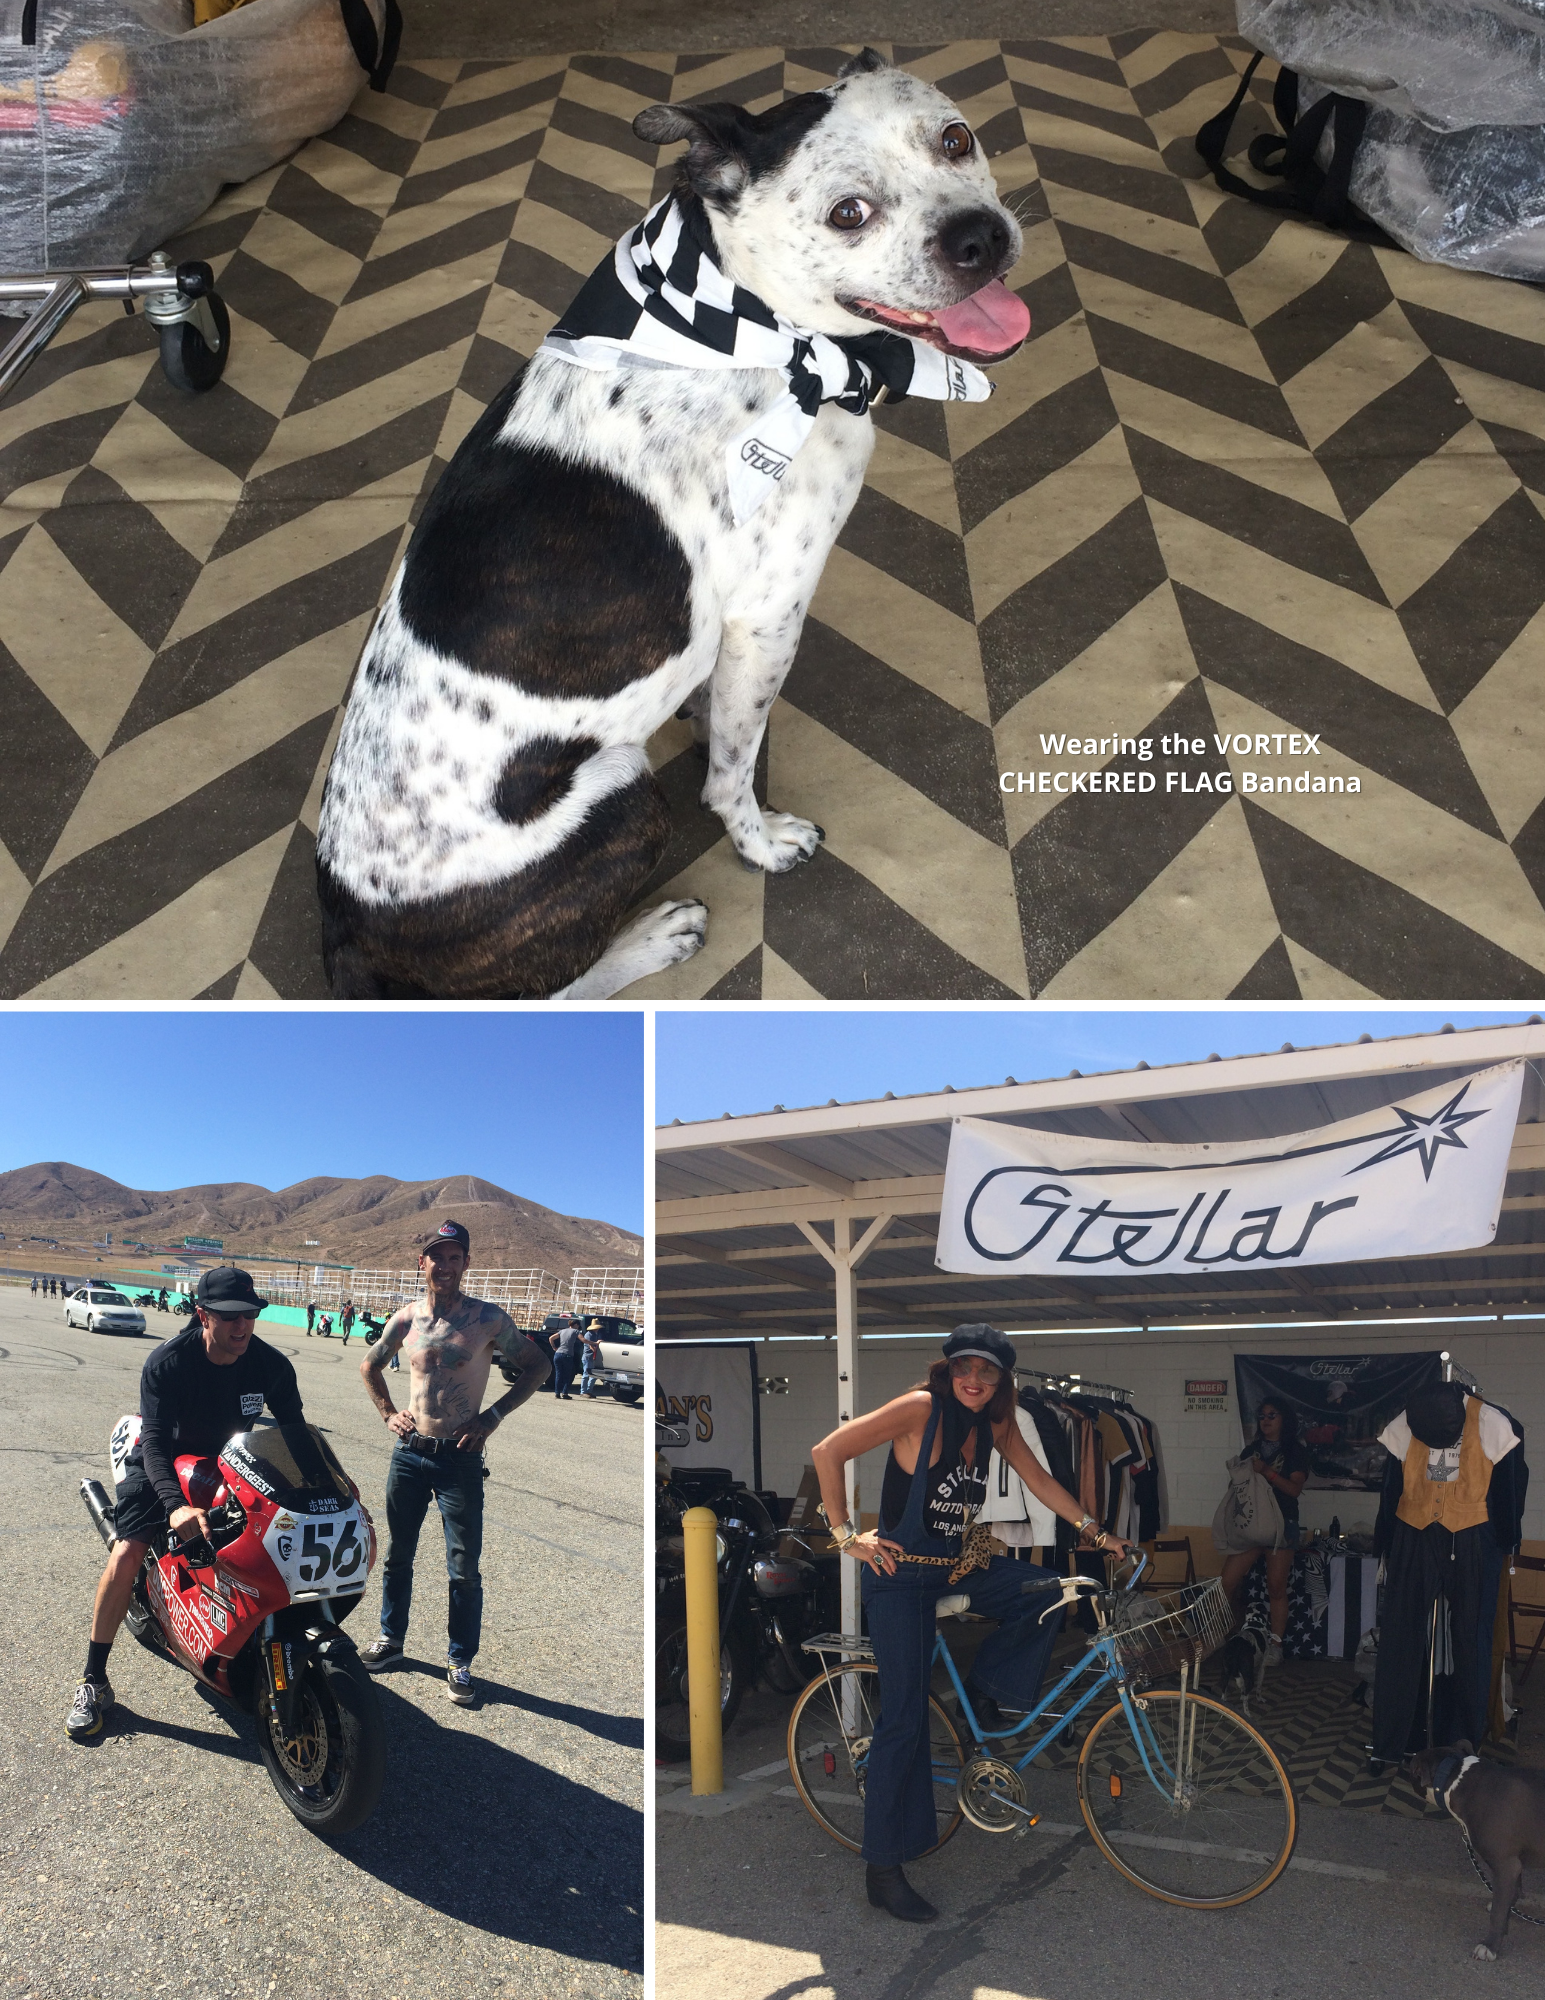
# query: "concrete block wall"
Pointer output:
{"type": "Point", "coordinates": [1508, 1361]}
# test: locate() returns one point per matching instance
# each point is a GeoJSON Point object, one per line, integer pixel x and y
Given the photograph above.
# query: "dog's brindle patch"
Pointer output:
{"type": "Point", "coordinates": [519, 940]}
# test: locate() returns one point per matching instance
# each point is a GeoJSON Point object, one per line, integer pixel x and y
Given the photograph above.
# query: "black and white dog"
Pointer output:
{"type": "Point", "coordinates": [1502, 1815]}
{"type": "Point", "coordinates": [637, 524]}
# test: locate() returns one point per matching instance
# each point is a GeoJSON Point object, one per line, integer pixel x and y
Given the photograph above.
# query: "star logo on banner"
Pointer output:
{"type": "Point", "coordinates": [1426, 1136]}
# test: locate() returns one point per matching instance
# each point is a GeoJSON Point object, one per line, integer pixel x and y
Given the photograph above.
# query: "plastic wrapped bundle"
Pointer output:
{"type": "Point", "coordinates": [120, 120]}
{"type": "Point", "coordinates": [1475, 199]}
{"type": "Point", "coordinates": [1449, 64]}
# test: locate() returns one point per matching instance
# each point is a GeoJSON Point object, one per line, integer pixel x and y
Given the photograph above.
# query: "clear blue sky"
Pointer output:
{"type": "Point", "coordinates": [710, 1063]}
{"type": "Point", "coordinates": [547, 1104]}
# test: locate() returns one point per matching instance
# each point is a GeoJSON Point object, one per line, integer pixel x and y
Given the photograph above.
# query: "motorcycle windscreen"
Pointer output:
{"type": "Point", "coordinates": [292, 1464]}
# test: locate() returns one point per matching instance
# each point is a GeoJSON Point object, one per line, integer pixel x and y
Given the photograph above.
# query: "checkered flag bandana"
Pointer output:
{"type": "Point", "coordinates": [663, 301]}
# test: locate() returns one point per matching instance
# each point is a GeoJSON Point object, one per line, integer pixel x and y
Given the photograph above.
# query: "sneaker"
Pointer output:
{"type": "Point", "coordinates": [92, 1701]}
{"type": "Point", "coordinates": [459, 1684]}
{"type": "Point", "coordinates": [380, 1654]}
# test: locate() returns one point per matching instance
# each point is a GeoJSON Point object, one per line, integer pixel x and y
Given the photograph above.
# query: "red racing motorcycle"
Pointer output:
{"type": "Point", "coordinates": [255, 1613]}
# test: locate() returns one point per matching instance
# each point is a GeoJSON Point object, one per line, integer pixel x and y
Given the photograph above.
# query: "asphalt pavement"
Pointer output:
{"type": "Point", "coordinates": [754, 1902]}
{"type": "Point", "coordinates": [506, 1856]}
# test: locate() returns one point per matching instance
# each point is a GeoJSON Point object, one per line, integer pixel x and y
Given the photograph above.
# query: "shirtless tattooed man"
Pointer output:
{"type": "Point", "coordinates": [450, 1342]}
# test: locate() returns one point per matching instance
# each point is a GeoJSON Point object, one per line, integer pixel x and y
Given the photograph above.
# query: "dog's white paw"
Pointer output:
{"type": "Point", "coordinates": [1483, 1951]}
{"type": "Point", "coordinates": [664, 936]}
{"type": "Point", "coordinates": [780, 843]}
{"type": "Point", "coordinates": [681, 929]}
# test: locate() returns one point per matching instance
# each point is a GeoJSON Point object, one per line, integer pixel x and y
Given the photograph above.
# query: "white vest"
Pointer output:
{"type": "Point", "coordinates": [1018, 1518]}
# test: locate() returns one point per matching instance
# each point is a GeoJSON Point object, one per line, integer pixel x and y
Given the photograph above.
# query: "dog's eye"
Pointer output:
{"type": "Point", "coordinates": [850, 213]}
{"type": "Point", "coordinates": [956, 142]}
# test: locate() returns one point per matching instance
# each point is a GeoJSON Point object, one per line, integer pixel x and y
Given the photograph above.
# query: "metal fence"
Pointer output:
{"type": "Point", "coordinates": [527, 1296]}
{"type": "Point", "coordinates": [616, 1290]}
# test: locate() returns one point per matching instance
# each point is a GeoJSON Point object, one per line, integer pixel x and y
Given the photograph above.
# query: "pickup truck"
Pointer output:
{"type": "Point", "coordinates": [622, 1358]}
{"type": "Point", "coordinates": [622, 1353]}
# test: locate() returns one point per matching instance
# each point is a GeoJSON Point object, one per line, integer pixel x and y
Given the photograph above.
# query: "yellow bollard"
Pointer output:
{"type": "Point", "coordinates": [700, 1528]}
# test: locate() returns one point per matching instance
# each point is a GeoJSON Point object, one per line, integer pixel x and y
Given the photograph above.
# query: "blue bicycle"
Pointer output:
{"type": "Point", "coordinates": [1179, 1792]}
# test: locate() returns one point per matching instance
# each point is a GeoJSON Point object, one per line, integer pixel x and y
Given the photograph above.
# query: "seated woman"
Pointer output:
{"type": "Point", "coordinates": [1285, 1463]}
{"type": "Point", "coordinates": [941, 1435]}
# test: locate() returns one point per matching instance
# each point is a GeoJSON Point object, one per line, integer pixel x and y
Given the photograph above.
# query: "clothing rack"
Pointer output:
{"type": "Point", "coordinates": [1453, 1369]}
{"type": "Point", "coordinates": [1073, 1385]}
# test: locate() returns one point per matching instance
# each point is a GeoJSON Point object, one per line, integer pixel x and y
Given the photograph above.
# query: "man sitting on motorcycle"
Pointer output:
{"type": "Point", "coordinates": [450, 1342]}
{"type": "Point", "coordinates": [196, 1391]}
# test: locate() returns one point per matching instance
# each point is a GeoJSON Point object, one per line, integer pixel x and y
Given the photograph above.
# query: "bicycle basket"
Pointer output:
{"type": "Point", "coordinates": [1158, 1634]}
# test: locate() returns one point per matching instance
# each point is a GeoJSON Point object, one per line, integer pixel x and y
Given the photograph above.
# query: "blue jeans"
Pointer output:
{"type": "Point", "coordinates": [563, 1374]}
{"type": "Point", "coordinates": [900, 1821]}
{"type": "Point", "coordinates": [587, 1376]}
{"type": "Point", "coordinates": [454, 1481]}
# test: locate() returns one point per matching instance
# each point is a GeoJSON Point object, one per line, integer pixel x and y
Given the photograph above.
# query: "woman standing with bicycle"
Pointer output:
{"type": "Point", "coordinates": [941, 1435]}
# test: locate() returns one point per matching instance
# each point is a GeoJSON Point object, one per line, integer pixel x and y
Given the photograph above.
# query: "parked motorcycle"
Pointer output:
{"type": "Point", "coordinates": [769, 1601]}
{"type": "Point", "coordinates": [255, 1612]}
{"type": "Point", "coordinates": [145, 1299]}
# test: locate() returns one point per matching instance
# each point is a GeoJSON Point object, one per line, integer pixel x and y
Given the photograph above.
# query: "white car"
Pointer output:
{"type": "Point", "coordinates": [99, 1309]}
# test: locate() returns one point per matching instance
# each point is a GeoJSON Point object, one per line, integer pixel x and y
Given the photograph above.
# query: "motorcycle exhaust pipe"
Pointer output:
{"type": "Point", "coordinates": [100, 1508]}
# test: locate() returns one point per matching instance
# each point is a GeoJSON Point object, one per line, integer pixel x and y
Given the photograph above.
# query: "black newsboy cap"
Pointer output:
{"type": "Point", "coordinates": [983, 1340]}
{"type": "Point", "coordinates": [228, 1291]}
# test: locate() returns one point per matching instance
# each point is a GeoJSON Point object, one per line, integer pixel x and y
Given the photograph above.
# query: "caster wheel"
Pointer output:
{"type": "Point", "coordinates": [187, 359]}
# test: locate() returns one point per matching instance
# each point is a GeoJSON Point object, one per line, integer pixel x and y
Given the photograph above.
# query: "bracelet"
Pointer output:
{"type": "Point", "coordinates": [843, 1534]}
{"type": "Point", "coordinates": [1084, 1525]}
{"type": "Point", "coordinates": [492, 1415]}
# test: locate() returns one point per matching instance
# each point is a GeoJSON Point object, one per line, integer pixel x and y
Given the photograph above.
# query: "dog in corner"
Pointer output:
{"type": "Point", "coordinates": [634, 529]}
{"type": "Point", "coordinates": [1501, 1813]}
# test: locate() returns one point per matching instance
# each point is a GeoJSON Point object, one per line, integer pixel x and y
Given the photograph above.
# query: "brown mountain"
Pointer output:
{"type": "Point", "coordinates": [379, 1222]}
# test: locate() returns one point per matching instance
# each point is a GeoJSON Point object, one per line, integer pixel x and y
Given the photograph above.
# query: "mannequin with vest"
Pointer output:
{"type": "Point", "coordinates": [1439, 1528]}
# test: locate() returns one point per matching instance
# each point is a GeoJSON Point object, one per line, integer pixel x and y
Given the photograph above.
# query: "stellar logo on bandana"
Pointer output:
{"type": "Point", "coordinates": [762, 458]}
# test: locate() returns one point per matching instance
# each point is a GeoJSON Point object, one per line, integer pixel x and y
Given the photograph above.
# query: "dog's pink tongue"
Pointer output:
{"type": "Point", "coordinates": [989, 322]}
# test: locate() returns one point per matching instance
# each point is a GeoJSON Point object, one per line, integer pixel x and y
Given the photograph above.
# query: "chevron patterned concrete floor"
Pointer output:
{"type": "Point", "coordinates": [1247, 480]}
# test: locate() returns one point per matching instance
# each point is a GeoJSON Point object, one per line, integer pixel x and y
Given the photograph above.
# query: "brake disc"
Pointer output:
{"type": "Point", "coordinates": [304, 1754]}
{"type": "Point", "coordinates": [992, 1796]}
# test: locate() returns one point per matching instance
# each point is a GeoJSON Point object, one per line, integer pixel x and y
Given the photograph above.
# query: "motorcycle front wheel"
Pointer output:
{"type": "Point", "coordinates": [672, 1716]}
{"type": "Point", "coordinates": [329, 1770]}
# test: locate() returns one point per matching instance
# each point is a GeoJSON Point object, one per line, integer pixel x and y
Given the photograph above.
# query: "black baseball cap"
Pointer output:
{"type": "Point", "coordinates": [983, 1341]}
{"type": "Point", "coordinates": [449, 1232]}
{"type": "Point", "coordinates": [228, 1292]}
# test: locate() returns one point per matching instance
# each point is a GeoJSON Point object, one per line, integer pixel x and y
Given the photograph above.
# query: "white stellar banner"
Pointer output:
{"type": "Point", "coordinates": [1403, 1181]}
{"type": "Point", "coordinates": [707, 1394]}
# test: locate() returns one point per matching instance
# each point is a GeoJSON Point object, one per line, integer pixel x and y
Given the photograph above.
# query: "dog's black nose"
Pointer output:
{"type": "Point", "coordinates": [975, 240]}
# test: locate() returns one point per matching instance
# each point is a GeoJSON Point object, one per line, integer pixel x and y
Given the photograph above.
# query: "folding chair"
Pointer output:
{"type": "Point", "coordinates": [1179, 1547]}
{"type": "Point", "coordinates": [1515, 1611]}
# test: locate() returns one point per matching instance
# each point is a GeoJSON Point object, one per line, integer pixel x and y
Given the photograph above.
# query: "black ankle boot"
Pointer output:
{"type": "Point", "coordinates": [990, 1719]}
{"type": "Point", "coordinates": [889, 1890]}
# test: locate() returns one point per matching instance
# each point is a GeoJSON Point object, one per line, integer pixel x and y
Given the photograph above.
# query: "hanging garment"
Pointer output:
{"type": "Point", "coordinates": [1017, 1516]}
{"type": "Point", "coordinates": [1421, 1564]}
{"type": "Point", "coordinates": [1448, 1482]}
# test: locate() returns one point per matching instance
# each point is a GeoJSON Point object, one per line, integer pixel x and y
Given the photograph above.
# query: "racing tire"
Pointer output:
{"type": "Point", "coordinates": [672, 1715]}
{"type": "Point", "coordinates": [330, 1772]}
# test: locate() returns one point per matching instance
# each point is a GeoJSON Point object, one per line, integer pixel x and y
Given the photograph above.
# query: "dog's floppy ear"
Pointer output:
{"type": "Point", "coordinates": [865, 59]}
{"type": "Point", "coordinates": [727, 147]}
{"type": "Point", "coordinates": [1464, 1747]}
{"type": "Point", "coordinates": [717, 134]}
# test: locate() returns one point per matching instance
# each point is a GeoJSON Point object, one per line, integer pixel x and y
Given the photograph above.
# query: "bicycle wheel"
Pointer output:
{"type": "Point", "coordinates": [1231, 1832]}
{"type": "Point", "coordinates": [827, 1759]}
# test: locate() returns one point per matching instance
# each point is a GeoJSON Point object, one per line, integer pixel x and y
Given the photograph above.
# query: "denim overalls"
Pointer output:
{"type": "Point", "coordinates": [900, 1816]}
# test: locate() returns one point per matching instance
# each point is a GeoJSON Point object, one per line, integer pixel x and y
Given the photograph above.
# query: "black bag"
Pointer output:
{"type": "Point", "coordinates": [1308, 189]}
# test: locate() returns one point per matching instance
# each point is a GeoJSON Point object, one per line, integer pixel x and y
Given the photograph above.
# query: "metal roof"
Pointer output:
{"type": "Point", "coordinates": [731, 1255]}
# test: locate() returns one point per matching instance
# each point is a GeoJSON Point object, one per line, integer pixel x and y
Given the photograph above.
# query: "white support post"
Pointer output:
{"type": "Point", "coordinates": [847, 1398]}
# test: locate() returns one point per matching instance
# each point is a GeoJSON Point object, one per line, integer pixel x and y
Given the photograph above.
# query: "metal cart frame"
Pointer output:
{"type": "Point", "coordinates": [180, 302]}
